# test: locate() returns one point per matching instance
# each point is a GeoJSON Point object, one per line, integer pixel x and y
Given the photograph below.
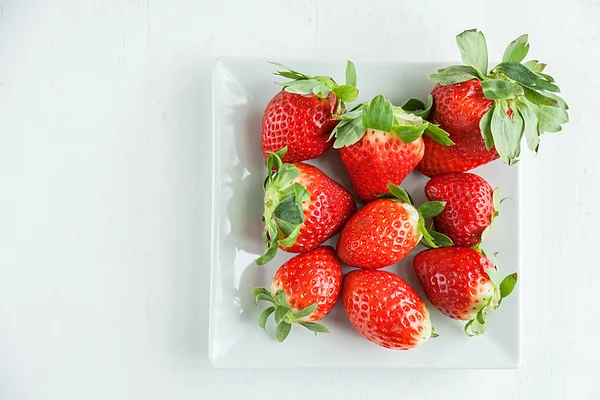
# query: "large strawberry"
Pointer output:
{"type": "Point", "coordinates": [381, 143]}
{"type": "Point", "coordinates": [462, 284]}
{"type": "Point", "coordinates": [487, 113]}
{"type": "Point", "coordinates": [386, 230]}
{"type": "Point", "coordinates": [303, 207]}
{"type": "Point", "coordinates": [304, 290]}
{"type": "Point", "coordinates": [385, 310]}
{"type": "Point", "coordinates": [471, 205]}
{"type": "Point", "coordinates": [300, 116]}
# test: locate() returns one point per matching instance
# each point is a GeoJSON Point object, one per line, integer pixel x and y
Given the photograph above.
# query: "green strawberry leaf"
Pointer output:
{"type": "Point", "coordinates": [438, 134]}
{"type": "Point", "coordinates": [314, 327]}
{"type": "Point", "coordinates": [485, 125]}
{"type": "Point", "coordinates": [264, 316]}
{"type": "Point", "coordinates": [378, 114]}
{"type": "Point", "coordinates": [439, 239]}
{"type": "Point", "coordinates": [551, 118]}
{"type": "Point", "coordinates": [517, 49]}
{"type": "Point", "coordinates": [508, 285]}
{"type": "Point", "coordinates": [282, 331]}
{"type": "Point", "coordinates": [413, 104]}
{"type": "Point", "coordinates": [534, 66]}
{"type": "Point", "coordinates": [507, 132]}
{"type": "Point", "coordinates": [427, 238]}
{"type": "Point", "coordinates": [531, 129]}
{"type": "Point", "coordinates": [356, 113]}
{"type": "Point", "coordinates": [497, 89]}
{"type": "Point", "coordinates": [269, 254]}
{"type": "Point", "coordinates": [540, 99]}
{"type": "Point", "coordinates": [431, 208]}
{"type": "Point", "coordinates": [350, 73]}
{"type": "Point", "coordinates": [291, 237]}
{"type": "Point", "coordinates": [280, 298]}
{"type": "Point", "coordinates": [473, 50]}
{"type": "Point", "coordinates": [348, 132]}
{"type": "Point", "coordinates": [320, 85]}
{"type": "Point", "coordinates": [399, 193]}
{"type": "Point", "coordinates": [409, 133]}
{"type": "Point", "coordinates": [305, 312]}
{"type": "Point", "coordinates": [346, 93]}
{"type": "Point", "coordinates": [280, 312]}
{"type": "Point", "coordinates": [454, 74]}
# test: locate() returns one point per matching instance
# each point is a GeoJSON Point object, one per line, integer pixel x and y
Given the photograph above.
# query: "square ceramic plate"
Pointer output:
{"type": "Point", "coordinates": [242, 88]}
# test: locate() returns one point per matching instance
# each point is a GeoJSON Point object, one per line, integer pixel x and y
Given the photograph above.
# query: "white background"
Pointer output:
{"type": "Point", "coordinates": [104, 193]}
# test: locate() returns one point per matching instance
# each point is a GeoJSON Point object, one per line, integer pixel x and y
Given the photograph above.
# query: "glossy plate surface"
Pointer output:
{"type": "Point", "coordinates": [242, 88]}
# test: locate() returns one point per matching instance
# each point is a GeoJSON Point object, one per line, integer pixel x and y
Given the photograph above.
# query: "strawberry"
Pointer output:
{"type": "Point", "coordinates": [380, 143]}
{"type": "Point", "coordinates": [488, 112]}
{"type": "Point", "coordinates": [385, 231]}
{"type": "Point", "coordinates": [385, 310]}
{"type": "Point", "coordinates": [471, 205]}
{"type": "Point", "coordinates": [300, 116]}
{"type": "Point", "coordinates": [303, 291]}
{"type": "Point", "coordinates": [462, 284]}
{"type": "Point", "coordinates": [303, 207]}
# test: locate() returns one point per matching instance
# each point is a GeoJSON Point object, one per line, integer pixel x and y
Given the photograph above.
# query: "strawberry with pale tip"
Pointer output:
{"type": "Point", "coordinates": [462, 284]}
{"type": "Point", "coordinates": [303, 291]}
{"type": "Point", "coordinates": [385, 309]}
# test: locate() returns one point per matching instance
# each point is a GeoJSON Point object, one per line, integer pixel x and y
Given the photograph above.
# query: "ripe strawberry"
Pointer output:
{"type": "Point", "coordinates": [471, 205]}
{"type": "Point", "coordinates": [385, 231]}
{"type": "Point", "coordinates": [300, 116]}
{"type": "Point", "coordinates": [488, 113]}
{"type": "Point", "coordinates": [462, 284]}
{"type": "Point", "coordinates": [303, 207]}
{"type": "Point", "coordinates": [385, 310]}
{"type": "Point", "coordinates": [380, 143]}
{"type": "Point", "coordinates": [304, 290]}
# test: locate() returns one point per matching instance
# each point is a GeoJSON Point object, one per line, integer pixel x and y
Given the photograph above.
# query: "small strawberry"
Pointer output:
{"type": "Point", "coordinates": [381, 143]}
{"type": "Point", "coordinates": [462, 284]}
{"type": "Point", "coordinates": [385, 310]}
{"type": "Point", "coordinates": [386, 230]}
{"type": "Point", "coordinates": [488, 113]}
{"type": "Point", "coordinates": [300, 116]}
{"type": "Point", "coordinates": [304, 290]}
{"type": "Point", "coordinates": [471, 206]}
{"type": "Point", "coordinates": [303, 207]}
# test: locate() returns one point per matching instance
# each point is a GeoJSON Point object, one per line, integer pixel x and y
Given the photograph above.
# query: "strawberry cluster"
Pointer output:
{"type": "Point", "coordinates": [472, 117]}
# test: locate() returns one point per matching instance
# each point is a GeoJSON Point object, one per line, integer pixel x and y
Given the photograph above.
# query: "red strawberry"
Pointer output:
{"type": "Point", "coordinates": [471, 205]}
{"type": "Point", "coordinates": [301, 115]}
{"type": "Point", "coordinates": [385, 231]}
{"type": "Point", "coordinates": [380, 143]}
{"type": "Point", "coordinates": [304, 290]}
{"type": "Point", "coordinates": [462, 284]}
{"type": "Point", "coordinates": [303, 207]}
{"type": "Point", "coordinates": [488, 113]}
{"type": "Point", "coordinates": [385, 310]}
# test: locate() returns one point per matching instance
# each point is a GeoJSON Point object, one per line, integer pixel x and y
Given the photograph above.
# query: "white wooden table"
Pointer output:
{"type": "Point", "coordinates": [104, 158]}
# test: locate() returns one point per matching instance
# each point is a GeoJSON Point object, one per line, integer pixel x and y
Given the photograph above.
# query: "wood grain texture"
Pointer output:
{"type": "Point", "coordinates": [104, 160]}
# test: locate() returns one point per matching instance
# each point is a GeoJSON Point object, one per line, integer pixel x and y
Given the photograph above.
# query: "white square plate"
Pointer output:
{"type": "Point", "coordinates": [242, 88]}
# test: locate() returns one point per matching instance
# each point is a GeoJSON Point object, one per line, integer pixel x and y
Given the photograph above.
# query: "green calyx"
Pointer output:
{"type": "Point", "coordinates": [429, 209]}
{"type": "Point", "coordinates": [502, 289]}
{"type": "Point", "coordinates": [525, 99]}
{"type": "Point", "coordinates": [320, 85]}
{"type": "Point", "coordinates": [380, 114]}
{"type": "Point", "coordinates": [283, 214]}
{"type": "Point", "coordinates": [284, 315]}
